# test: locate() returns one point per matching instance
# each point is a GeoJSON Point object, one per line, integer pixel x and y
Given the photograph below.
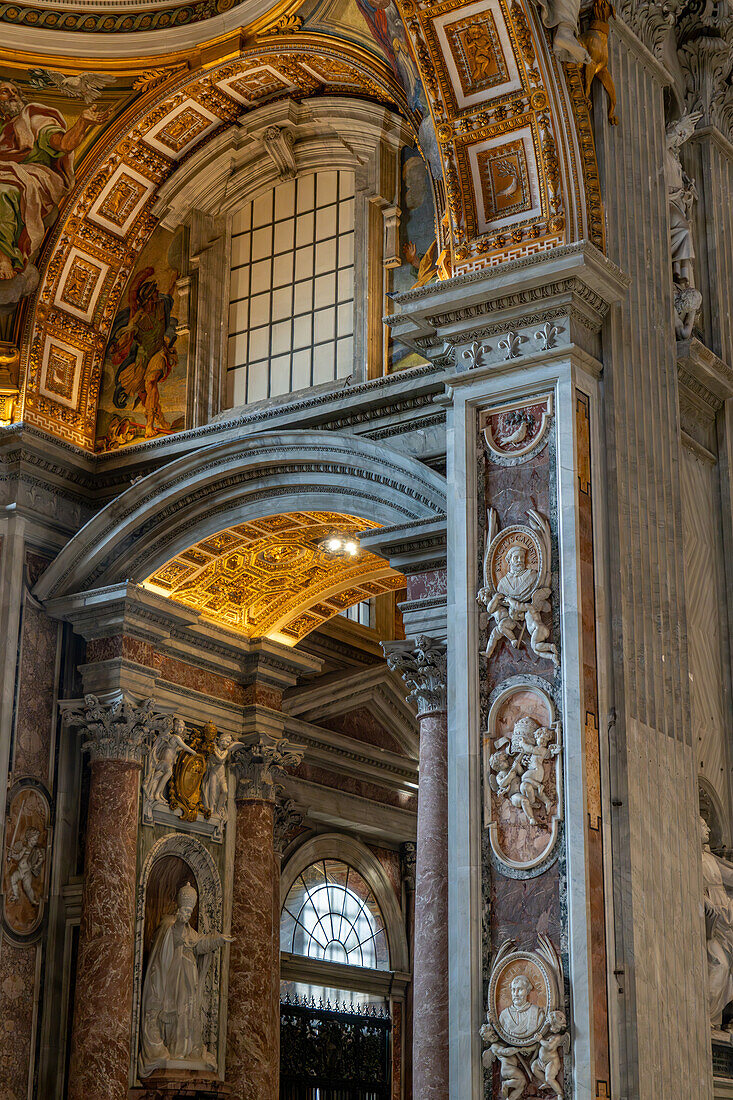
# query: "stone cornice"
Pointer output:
{"type": "Point", "coordinates": [348, 755]}
{"type": "Point", "coordinates": [703, 372]}
{"type": "Point", "coordinates": [401, 399]}
{"type": "Point", "coordinates": [352, 812]}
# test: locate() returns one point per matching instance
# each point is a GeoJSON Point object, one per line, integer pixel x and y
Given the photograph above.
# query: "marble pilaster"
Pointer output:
{"type": "Point", "coordinates": [422, 664]}
{"type": "Point", "coordinates": [117, 736]}
{"type": "Point", "coordinates": [253, 1023]}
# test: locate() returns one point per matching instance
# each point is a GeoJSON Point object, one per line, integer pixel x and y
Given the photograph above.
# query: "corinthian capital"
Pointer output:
{"type": "Point", "coordinates": [422, 664]}
{"type": "Point", "coordinates": [259, 766]}
{"type": "Point", "coordinates": [119, 730]}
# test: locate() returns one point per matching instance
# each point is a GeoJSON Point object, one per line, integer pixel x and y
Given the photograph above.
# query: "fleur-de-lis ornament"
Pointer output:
{"type": "Point", "coordinates": [548, 335]}
{"type": "Point", "coordinates": [511, 344]}
{"type": "Point", "coordinates": [475, 355]}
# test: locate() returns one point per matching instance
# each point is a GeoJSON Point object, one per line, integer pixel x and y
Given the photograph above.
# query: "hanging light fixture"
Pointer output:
{"type": "Point", "coordinates": [340, 545]}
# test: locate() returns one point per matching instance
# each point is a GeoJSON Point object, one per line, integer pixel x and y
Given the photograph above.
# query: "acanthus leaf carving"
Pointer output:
{"type": "Point", "coordinates": [422, 663]}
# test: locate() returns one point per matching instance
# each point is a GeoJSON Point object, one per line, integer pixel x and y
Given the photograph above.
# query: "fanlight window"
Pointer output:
{"type": "Point", "coordinates": [330, 914]}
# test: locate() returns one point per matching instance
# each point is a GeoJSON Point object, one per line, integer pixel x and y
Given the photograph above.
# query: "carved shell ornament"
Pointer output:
{"type": "Point", "coordinates": [518, 430]}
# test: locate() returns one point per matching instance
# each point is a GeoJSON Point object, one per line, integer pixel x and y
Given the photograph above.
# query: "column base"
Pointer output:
{"type": "Point", "coordinates": [181, 1085]}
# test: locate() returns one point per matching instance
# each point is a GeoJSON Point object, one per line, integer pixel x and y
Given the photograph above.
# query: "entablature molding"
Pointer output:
{"type": "Point", "coordinates": [323, 805]}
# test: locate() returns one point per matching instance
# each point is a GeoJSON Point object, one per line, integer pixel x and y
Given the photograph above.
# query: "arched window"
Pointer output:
{"type": "Point", "coordinates": [330, 914]}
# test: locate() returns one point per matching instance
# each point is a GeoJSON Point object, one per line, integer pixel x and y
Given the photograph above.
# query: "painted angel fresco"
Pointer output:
{"type": "Point", "coordinates": [37, 149]}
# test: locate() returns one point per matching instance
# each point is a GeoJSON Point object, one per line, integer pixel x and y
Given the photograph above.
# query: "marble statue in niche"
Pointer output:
{"type": "Point", "coordinates": [522, 779]}
{"type": "Point", "coordinates": [681, 196]}
{"type": "Point", "coordinates": [717, 876]}
{"type": "Point", "coordinates": [525, 1029]}
{"type": "Point", "coordinates": [516, 590]}
{"type": "Point", "coordinates": [161, 759]}
{"type": "Point", "coordinates": [171, 1031]}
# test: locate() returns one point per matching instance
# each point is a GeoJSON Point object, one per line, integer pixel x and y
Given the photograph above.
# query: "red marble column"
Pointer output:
{"type": "Point", "coordinates": [422, 663]}
{"type": "Point", "coordinates": [253, 1027]}
{"type": "Point", "coordinates": [253, 1024]}
{"type": "Point", "coordinates": [102, 1023]}
{"type": "Point", "coordinates": [430, 966]}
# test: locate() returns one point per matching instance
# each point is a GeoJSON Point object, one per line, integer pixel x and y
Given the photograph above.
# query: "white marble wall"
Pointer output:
{"type": "Point", "coordinates": [659, 1004]}
{"type": "Point", "coordinates": [706, 622]}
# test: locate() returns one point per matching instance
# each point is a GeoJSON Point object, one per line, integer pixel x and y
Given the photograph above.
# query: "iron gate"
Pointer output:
{"type": "Point", "coordinates": [339, 1053]}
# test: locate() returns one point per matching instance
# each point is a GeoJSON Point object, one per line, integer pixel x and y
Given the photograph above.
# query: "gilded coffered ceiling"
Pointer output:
{"type": "Point", "coordinates": [272, 577]}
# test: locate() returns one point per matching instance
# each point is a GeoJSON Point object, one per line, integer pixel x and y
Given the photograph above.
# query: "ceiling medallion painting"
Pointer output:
{"type": "Point", "coordinates": [275, 577]}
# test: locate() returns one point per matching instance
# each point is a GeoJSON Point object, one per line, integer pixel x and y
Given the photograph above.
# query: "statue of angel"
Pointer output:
{"type": "Point", "coordinates": [512, 1077]}
{"type": "Point", "coordinates": [563, 16]}
{"type": "Point", "coordinates": [547, 1064]}
{"type": "Point", "coordinates": [214, 786]}
{"type": "Point", "coordinates": [163, 755]}
{"type": "Point", "coordinates": [681, 192]}
{"type": "Point", "coordinates": [521, 594]}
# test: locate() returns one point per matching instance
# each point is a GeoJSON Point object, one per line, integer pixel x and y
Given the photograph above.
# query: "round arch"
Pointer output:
{"type": "Point", "coordinates": [231, 482]}
{"type": "Point", "coordinates": [348, 850]}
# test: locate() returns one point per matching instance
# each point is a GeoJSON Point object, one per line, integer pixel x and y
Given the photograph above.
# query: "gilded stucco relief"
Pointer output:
{"type": "Point", "coordinates": [274, 577]}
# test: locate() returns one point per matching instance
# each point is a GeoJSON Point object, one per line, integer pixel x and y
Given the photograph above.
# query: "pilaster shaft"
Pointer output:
{"type": "Point", "coordinates": [422, 664]}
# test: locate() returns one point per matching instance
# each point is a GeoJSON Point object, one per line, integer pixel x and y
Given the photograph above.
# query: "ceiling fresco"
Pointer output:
{"type": "Point", "coordinates": [273, 577]}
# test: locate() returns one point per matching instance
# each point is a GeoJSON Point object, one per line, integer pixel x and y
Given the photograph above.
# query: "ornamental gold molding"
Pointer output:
{"type": "Point", "coordinates": [503, 106]}
{"type": "Point", "coordinates": [272, 577]}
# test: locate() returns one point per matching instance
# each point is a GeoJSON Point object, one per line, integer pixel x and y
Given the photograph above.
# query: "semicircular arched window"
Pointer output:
{"type": "Point", "coordinates": [331, 914]}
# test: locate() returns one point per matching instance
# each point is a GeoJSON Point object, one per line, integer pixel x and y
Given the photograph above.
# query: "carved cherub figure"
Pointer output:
{"type": "Point", "coordinates": [547, 1065]}
{"type": "Point", "coordinates": [163, 755]}
{"type": "Point", "coordinates": [512, 1077]}
{"type": "Point", "coordinates": [214, 786]}
{"type": "Point", "coordinates": [533, 742]}
{"type": "Point", "coordinates": [28, 859]}
{"type": "Point", "coordinates": [521, 594]}
{"type": "Point", "coordinates": [506, 779]}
